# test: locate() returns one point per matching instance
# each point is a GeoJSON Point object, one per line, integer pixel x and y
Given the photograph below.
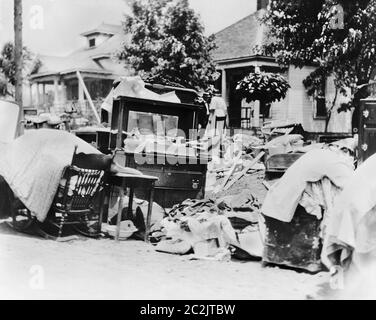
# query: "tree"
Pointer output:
{"type": "Point", "coordinates": [266, 87]}
{"type": "Point", "coordinates": [305, 33]}
{"type": "Point", "coordinates": [18, 60]}
{"type": "Point", "coordinates": [4, 91]}
{"type": "Point", "coordinates": [167, 44]}
{"type": "Point", "coordinates": [8, 66]}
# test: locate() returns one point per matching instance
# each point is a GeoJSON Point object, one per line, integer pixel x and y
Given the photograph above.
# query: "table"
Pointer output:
{"type": "Point", "coordinates": [130, 181]}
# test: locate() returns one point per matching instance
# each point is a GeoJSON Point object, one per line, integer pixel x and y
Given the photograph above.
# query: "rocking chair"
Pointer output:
{"type": "Point", "coordinates": [79, 199]}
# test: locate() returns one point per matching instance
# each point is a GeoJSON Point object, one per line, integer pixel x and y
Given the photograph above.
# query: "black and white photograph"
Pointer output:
{"type": "Point", "coordinates": [199, 152]}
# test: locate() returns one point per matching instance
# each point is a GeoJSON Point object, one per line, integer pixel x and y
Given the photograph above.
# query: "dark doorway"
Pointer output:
{"type": "Point", "coordinates": [235, 100]}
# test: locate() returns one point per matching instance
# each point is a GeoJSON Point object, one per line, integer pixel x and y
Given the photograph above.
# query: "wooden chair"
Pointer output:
{"type": "Point", "coordinates": [79, 199]}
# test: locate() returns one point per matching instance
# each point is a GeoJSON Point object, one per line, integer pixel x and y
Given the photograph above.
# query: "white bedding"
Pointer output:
{"type": "Point", "coordinates": [33, 163]}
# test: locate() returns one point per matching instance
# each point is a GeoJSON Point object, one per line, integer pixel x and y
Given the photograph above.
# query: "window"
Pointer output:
{"type": "Point", "coordinates": [320, 101]}
{"type": "Point", "coordinates": [92, 42]}
{"type": "Point", "coordinates": [246, 112]}
{"type": "Point", "coordinates": [153, 124]}
{"type": "Point", "coordinates": [320, 107]}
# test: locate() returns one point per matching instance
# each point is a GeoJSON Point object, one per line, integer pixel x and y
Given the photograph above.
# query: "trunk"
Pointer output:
{"type": "Point", "coordinates": [329, 112]}
{"type": "Point", "coordinates": [18, 60]}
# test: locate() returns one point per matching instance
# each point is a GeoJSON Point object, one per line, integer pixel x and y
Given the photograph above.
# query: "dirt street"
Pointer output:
{"type": "Point", "coordinates": [34, 268]}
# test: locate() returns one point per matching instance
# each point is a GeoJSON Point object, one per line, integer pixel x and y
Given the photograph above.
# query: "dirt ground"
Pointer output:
{"type": "Point", "coordinates": [34, 268]}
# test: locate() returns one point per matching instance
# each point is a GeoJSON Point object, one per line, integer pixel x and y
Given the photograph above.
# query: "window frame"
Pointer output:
{"type": "Point", "coordinates": [92, 40]}
{"type": "Point", "coordinates": [320, 95]}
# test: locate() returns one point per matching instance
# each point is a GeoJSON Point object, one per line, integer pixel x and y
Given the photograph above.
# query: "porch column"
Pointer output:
{"type": "Point", "coordinates": [256, 114]}
{"type": "Point", "coordinates": [81, 94]}
{"type": "Point", "coordinates": [37, 97]}
{"type": "Point", "coordinates": [63, 92]}
{"type": "Point", "coordinates": [44, 100]}
{"type": "Point", "coordinates": [30, 94]}
{"type": "Point", "coordinates": [224, 86]}
{"type": "Point", "coordinates": [56, 91]}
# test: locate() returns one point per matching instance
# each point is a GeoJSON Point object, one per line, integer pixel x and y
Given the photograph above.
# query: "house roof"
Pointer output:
{"type": "Point", "coordinates": [96, 59]}
{"type": "Point", "coordinates": [104, 28]}
{"type": "Point", "coordinates": [237, 40]}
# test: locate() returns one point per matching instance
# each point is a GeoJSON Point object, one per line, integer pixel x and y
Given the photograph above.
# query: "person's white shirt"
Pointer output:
{"type": "Point", "coordinates": [219, 106]}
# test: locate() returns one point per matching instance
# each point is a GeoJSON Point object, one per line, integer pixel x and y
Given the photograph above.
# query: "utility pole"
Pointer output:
{"type": "Point", "coordinates": [18, 50]}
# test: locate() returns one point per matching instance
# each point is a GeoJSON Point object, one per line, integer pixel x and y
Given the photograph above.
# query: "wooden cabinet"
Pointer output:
{"type": "Point", "coordinates": [176, 181]}
{"type": "Point", "coordinates": [179, 176]}
{"type": "Point", "coordinates": [367, 129]}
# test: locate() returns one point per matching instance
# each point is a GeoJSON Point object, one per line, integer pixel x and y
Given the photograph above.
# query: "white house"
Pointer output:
{"type": "Point", "coordinates": [235, 59]}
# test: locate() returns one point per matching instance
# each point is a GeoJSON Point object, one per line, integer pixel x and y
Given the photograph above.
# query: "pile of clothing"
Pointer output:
{"type": "Point", "coordinates": [212, 229]}
{"type": "Point", "coordinates": [247, 141]}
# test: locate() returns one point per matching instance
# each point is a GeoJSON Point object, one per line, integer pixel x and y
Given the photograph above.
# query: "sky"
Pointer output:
{"type": "Point", "coordinates": [53, 27]}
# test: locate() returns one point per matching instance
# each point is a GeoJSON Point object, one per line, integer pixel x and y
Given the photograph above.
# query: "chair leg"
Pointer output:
{"type": "Point", "coordinates": [101, 210]}
{"type": "Point", "coordinates": [61, 225]}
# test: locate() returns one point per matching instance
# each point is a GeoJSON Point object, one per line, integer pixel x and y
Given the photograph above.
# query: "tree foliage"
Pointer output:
{"type": "Point", "coordinates": [8, 67]}
{"type": "Point", "coordinates": [167, 44]}
{"type": "Point", "coordinates": [303, 34]}
{"type": "Point", "coordinates": [262, 86]}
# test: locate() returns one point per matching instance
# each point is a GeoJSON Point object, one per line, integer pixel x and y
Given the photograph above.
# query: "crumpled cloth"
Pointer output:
{"type": "Point", "coordinates": [319, 197]}
{"type": "Point", "coordinates": [283, 197]}
{"type": "Point", "coordinates": [351, 231]}
{"type": "Point", "coordinates": [32, 165]}
{"type": "Point", "coordinates": [197, 221]}
{"type": "Point", "coordinates": [204, 226]}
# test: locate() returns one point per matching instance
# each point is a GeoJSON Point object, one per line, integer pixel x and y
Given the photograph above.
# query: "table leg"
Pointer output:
{"type": "Point", "coordinates": [103, 197]}
{"type": "Point", "coordinates": [119, 214]}
{"type": "Point", "coordinates": [130, 204]}
{"type": "Point", "coordinates": [148, 217]}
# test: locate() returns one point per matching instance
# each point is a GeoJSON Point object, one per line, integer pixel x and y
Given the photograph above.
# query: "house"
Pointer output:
{"type": "Point", "coordinates": [55, 85]}
{"type": "Point", "coordinates": [235, 59]}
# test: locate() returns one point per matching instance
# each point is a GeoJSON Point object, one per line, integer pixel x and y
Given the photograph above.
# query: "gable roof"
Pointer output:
{"type": "Point", "coordinates": [104, 28]}
{"type": "Point", "coordinates": [96, 59]}
{"type": "Point", "coordinates": [238, 40]}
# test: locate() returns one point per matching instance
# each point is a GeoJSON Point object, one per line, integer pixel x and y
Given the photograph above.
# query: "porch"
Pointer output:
{"type": "Point", "coordinates": [67, 93]}
{"type": "Point", "coordinates": [242, 114]}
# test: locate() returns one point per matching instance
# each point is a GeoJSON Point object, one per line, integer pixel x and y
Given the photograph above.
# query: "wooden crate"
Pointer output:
{"type": "Point", "coordinates": [281, 162]}
{"type": "Point", "coordinates": [295, 244]}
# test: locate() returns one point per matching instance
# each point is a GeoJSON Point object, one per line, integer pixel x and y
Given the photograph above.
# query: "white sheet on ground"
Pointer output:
{"type": "Point", "coordinates": [351, 230]}
{"type": "Point", "coordinates": [283, 197]}
{"type": "Point", "coordinates": [33, 163]}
